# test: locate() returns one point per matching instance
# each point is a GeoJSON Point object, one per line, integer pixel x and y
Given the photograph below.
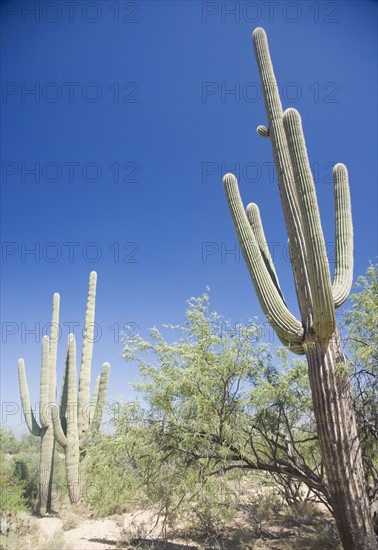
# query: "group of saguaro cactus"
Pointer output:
{"type": "Point", "coordinates": [77, 418]}
{"type": "Point", "coordinates": [315, 335]}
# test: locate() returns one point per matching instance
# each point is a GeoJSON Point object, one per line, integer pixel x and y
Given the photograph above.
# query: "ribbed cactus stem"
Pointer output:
{"type": "Point", "coordinates": [72, 448]}
{"type": "Point", "coordinates": [284, 323]}
{"type": "Point", "coordinates": [254, 218]}
{"type": "Point", "coordinates": [44, 405]}
{"type": "Point", "coordinates": [324, 321]}
{"type": "Point", "coordinates": [59, 434]}
{"type": "Point", "coordinates": [94, 400]}
{"type": "Point", "coordinates": [86, 358]}
{"type": "Point", "coordinates": [53, 349]}
{"type": "Point", "coordinates": [64, 393]}
{"type": "Point", "coordinates": [70, 440]}
{"type": "Point", "coordinates": [343, 276]}
{"type": "Point", "coordinates": [25, 400]}
{"type": "Point", "coordinates": [99, 397]}
{"type": "Point", "coordinates": [285, 177]}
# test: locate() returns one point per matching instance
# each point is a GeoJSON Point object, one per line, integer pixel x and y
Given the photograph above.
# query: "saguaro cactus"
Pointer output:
{"type": "Point", "coordinates": [47, 396]}
{"type": "Point", "coordinates": [78, 417]}
{"type": "Point", "coordinates": [315, 335]}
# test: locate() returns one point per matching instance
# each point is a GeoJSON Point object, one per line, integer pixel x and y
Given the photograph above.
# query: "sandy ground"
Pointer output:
{"type": "Point", "coordinates": [89, 535]}
{"type": "Point", "coordinates": [104, 534]}
{"type": "Point", "coordinates": [79, 531]}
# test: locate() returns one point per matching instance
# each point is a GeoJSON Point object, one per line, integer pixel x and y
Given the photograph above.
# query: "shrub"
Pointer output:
{"type": "Point", "coordinates": [15, 527]}
{"type": "Point", "coordinates": [11, 488]}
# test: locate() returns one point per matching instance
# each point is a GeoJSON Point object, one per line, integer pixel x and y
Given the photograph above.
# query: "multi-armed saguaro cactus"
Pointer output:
{"type": "Point", "coordinates": [79, 417]}
{"type": "Point", "coordinates": [315, 335]}
{"type": "Point", "coordinates": [47, 395]}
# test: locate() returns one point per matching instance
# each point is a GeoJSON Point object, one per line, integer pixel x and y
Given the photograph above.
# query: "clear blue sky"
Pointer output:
{"type": "Point", "coordinates": [130, 127]}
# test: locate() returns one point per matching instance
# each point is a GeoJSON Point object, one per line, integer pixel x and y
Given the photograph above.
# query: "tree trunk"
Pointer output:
{"type": "Point", "coordinates": [339, 443]}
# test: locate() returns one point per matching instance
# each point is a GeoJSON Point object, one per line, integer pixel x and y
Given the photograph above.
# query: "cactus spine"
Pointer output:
{"type": "Point", "coordinates": [315, 335]}
{"type": "Point", "coordinates": [47, 396]}
{"type": "Point", "coordinates": [78, 418]}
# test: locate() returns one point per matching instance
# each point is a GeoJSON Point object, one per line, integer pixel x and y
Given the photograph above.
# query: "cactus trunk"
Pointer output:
{"type": "Point", "coordinates": [46, 467]}
{"type": "Point", "coordinates": [339, 443]}
{"type": "Point", "coordinates": [72, 446]}
{"type": "Point", "coordinates": [316, 333]}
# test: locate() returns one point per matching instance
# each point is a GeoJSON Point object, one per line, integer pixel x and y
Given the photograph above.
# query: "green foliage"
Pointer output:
{"type": "Point", "coordinates": [220, 402]}
{"type": "Point", "coordinates": [8, 443]}
{"type": "Point", "coordinates": [25, 472]}
{"type": "Point", "coordinates": [12, 489]}
{"type": "Point", "coordinates": [362, 320]}
{"type": "Point", "coordinates": [111, 464]}
{"type": "Point", "coordinates": [361, 327]}
{"type": "Point", "coordinates": [12, 486]}
{"type": "Point", "coordinates": [20, 472]}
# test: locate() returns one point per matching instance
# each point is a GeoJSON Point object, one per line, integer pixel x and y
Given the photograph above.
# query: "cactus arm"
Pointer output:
{"type": "Point", "coordinates": [94, 400]}
{"type": "Point", "coordinates": [100, 401]}
{"type": "Point", "coordinates": [44, 408]}
{"type": "Point", "coordinates": [343, 276]}
{"type": "Point", "coordinates": [282, 161]}
{"type": "Point", "coordinates": [324, 320]}
{"type": "Point", "coordinates": [86, 358]}
{"type": "Point", "coordinates": [64, 393]}
{"type": "Point", "coordinates": [58, 430]}
{"type": "Point", "coordinates": [25, 400]}
{"type": "Point", "coordinates": [283, 322]}
{"type": "Point", "coordinates": [53, 349]}
{"type": "Point", "coordinates": [254, 218]}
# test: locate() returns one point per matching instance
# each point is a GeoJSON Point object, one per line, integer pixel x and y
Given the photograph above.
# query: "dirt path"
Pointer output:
{"type": "Point", "coordinates": [102, 534]}
{"type": "Point", "coordinates": [99, 534]}
{"type": "Point", "coordinates": [77, 532]}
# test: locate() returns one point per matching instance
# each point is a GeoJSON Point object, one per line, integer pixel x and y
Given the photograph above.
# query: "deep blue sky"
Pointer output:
{"type": "Point", "coordinates": [142, 87]}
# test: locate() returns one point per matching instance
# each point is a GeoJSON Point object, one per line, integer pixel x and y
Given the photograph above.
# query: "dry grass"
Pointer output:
{"type": "Point", "coordinates": [56, 542]}
{"type": "Point", "coordinates": [262, 522]}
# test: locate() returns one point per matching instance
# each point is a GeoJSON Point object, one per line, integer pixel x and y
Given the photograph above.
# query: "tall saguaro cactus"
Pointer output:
{"type": "Point", "coordinates": [47, 396]}
{"type": "Point", "coordinates": [79, 417]}
{"type": "Point", "coordinates": [315, 334]}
